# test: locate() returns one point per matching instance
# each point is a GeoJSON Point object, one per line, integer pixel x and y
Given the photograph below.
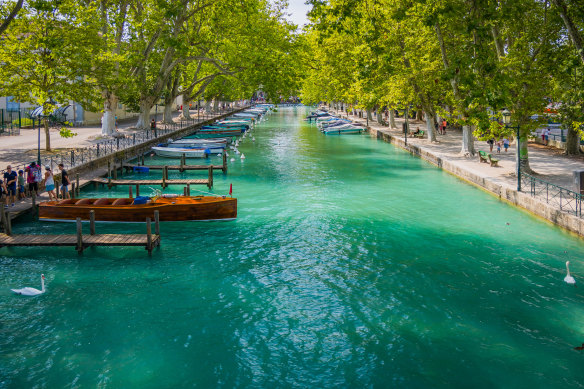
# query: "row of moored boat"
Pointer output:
{"type": "Point", "coordinates": [334, 125]}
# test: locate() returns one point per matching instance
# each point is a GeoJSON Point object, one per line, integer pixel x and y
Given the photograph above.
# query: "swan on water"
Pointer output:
{"type": "Point", "coordinates": [242, 156]}
{"type": "Point", "coordinates": [569, 279]}
{"type": "Point", "coordinates": [31, 291]}
{"type": "Point", "coordinates": [232, 159]}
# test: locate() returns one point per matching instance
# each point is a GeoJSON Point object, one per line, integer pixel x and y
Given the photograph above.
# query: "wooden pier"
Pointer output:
{"type": "Point", "coordinates": [80, 241]}
{"type": "Point", "coordinates": [182, 167]}
{"type": "Point", "coordinates": [164, 183]}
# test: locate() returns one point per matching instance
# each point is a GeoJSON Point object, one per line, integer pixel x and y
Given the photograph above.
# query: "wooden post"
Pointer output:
{"type": "Point", "coordinates": [148, 236]}
{"type": "Point", "coordinates": [185, 191]}
{"type": "Point", "coordinates": [77, 186]}
{"type": "Point", "coordinates": [79, 246]}
{"type": "Point", "coordinates": [210, 184]}
{"type": "Point", "coordinates": [142, 159]}
{"type": "Point", "coordinates": [92, 222]}
{"type": "Point", "coordinates": [182, 163]}
{"type": "Point", "coordinates": [57, 186]}
{"type": "Point", "coordinates": [130, 195]}
{"type": "Point", "coordinates": [8, 225]}
{"type": "Point", "coordinates": [164, 176]}
{"type": "Point", "coordinates": [224, 162]}
{"type": "Point", "coordinates": [137, 190]}
{"type": "Point", "coordinates": [109, 168]}
{"type": "Point", "coordinates": [115, 168]}
{"type": "Point", "coordinates": [33, 198]}
{"type": "Point", "coordinates": [188, 189]}
{"type": "Point", "coordinates": [73, 190]}
{"type": "Point", "coordinates": [157, 223]}
{"type": "Point", "coordinates": [3, 216]}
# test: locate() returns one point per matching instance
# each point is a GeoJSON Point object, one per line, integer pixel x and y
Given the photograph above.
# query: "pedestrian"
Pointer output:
{"type": "Point", "coordinates": [21, 185]}
{"type": "Point", "coordinates": [153, 125]}
{"type": "Point", "coordinates": [498, 147]}
{"type": "Point", "coordinates": [10, 179]}
{"type": "Point", "coordinates": [547, 136]}
{"type": "Point", "coordinates": [116, 122]}
{"type": "Point", "coordinates": [543, 136]}
{"type": "Point", "coordinates": [505, 143]}
{"type": "Point", "coordinates": [444, 123]}
{"type": "Point", "coordinates": [33, 177]}
{"type": "Point", "coordinates": [2, 193]}
{"type": "Point", "coordinates": [491, 142]}
{"type": "Point", "coordinates": [64, 182]}
{"type": "Point", "coordinates": [50, 184]}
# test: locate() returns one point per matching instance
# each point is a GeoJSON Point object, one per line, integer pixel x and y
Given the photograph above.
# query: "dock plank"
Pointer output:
{"type": "Point", "coordinates": [105, 181]}
{"type": "Point", "coordinates": [178, 167]}
{"type": "Point", "coordinates": [113, 240]}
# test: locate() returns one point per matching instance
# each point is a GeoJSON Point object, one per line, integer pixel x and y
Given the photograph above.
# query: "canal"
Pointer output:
{"type": "Point", "coordinates": [351, 264]}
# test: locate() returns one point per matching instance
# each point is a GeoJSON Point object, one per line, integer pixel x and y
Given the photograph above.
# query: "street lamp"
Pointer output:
{"type": "Point", "coordinates": [507, 121]}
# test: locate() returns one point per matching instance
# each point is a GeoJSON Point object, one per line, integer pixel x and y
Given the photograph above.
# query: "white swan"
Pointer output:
{"type": "Point", "coordinates": [31, 291]}
{"type": "Point", "coordinates": [569, 279]}
{"type": "Point", "coordinates": [242, 156]}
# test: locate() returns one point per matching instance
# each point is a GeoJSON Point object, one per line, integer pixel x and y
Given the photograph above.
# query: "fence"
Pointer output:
{"type": "Point", "coordinates": [79, 156]}
{"type": "Point", "coordinates": [11, 121]}
{"type": "Point", "coordinates": [564, 199]}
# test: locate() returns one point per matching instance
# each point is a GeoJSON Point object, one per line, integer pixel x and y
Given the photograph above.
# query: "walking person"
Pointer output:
{"type": "Point", "coordinates": [64, 182]}
{"type": "Point", "coordinates": [21, 185]}
{"type": "Point", "coordinates": [505, 144]}
{"type": "Point", "coordinates": [50, 184]}
{"type": "Point", "coordinates": [444, 123]}
{"type": "Point", "coordinates": [153, 125]}
{"type": "Point", "coordinates": [547, 133]}
{"type": "Point", "coordinates": [491, 142]}
{"type": "Point", "coordinates": [10, 179]}
{"type": "Point", "coordinates": [33, 177]}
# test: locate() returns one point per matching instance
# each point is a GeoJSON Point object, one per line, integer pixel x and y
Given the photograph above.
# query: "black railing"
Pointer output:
{"type": "Point", "coordinates": [564, 199]}
{"type": "Point", "coordinates": [73, 158]}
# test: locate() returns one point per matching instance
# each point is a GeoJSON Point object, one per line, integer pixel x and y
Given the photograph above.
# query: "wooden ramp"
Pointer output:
{"type": "Point", "coordinates": [164, 182]}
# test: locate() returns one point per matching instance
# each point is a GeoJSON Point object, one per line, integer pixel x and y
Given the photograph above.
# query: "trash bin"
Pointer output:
{"type": "Point", "coordinates": [579, 181]}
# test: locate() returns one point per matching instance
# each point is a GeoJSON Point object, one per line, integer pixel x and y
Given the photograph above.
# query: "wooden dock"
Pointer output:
{"type": "Point", "coordinates": [164, 183]}
{"type": "Point", "coordinates": [80, 241]}
{"type": "Point", "coordinates": [182, 167]}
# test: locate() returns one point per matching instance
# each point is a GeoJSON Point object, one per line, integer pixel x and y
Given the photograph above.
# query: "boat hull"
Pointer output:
{"type": "Point", "coordinates": [184, 209]}
{"type": "Point", "coordinates": [175, 152]}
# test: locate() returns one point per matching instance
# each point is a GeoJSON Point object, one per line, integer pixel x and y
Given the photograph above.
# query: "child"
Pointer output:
{"type": "Point", "coordinates": [21, 183]}
{"type": "Point", "coordinates": [2, 192]}
{"type": "Point", "coordinates": [498, 147]}
{"type": "Point", "coordinates": [505, 143]}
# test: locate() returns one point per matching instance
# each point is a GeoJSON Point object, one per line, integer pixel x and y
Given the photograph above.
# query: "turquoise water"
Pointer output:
{"type": "Point", "coordinates": [351, 264]}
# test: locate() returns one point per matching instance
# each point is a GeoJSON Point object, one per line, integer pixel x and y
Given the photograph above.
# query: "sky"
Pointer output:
{"type": "Point", "coordinates": [298, 10]}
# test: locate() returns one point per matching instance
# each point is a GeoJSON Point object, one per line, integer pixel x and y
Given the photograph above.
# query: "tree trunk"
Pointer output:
{"type": "Point", "coordinates": [392, 124]}
{"type": "Point", "coordinates": [379, 117]}
{"type": "Point", "coordinates": [47, 135]}
{"type": "Point", "coordinates": [167, 115]}
{"type": "Point", "coordinates": [108, 120]}
{"type": "Point", "coordinates": [215, 105]}
{"type": "Point", "coordinates": [419, 115]}
{"type": "Point", "coordinates": [186, 112]}
{"type": "Point", "coordinates": [467, 141]}
{"type": "Point", "coordinates": [430, 126]}
{"type": "Point", "coordinates": [207, 106]}
{"type": "Point", "coordinates": [524, 155]}
{"type": "Point", "coordinates": [369, 117]}
{"type": "Point", "coordinates": [144, 116]}
{"type": "Point", "coordinates": [573, 31]}
{"type": "Point", "coordinates": [572, 142]}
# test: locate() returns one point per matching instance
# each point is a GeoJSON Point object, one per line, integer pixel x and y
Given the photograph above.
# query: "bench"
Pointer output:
{"type": "Point", "coordinates": [483, 157]}
{"type": "Point", "coordinates": [493, 161]}
{"type": "Point", "coordinates": [419, 134]}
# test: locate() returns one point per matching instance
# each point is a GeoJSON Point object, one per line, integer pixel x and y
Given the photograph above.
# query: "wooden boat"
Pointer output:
{"type": "Point", "coordinates": [229, 139]}
{"type": "Point", "coordinates": [343, 129]}
{"type": "Point", "coordinates": [170, 208]}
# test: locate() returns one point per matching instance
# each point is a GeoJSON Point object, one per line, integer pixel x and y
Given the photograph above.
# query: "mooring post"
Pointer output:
{"type": "Point", "coordinates": [92, 222]}
{"type": "Point", "coordinates": [109, 168]}
{"type": "Point", "coordinates": [142, 159]}
{"type": "Point", "coordinates": [8, 226]}
{"type": "Point", "coordinates": [182, 163]}
{"type": "Point", "coordinates": [115, 170]}
{"type": "Point", "coordinates": [224, 162]}
{"type": "Point", "coordinates": [164, 176]}
{"type": "Point", "coordinates": [33, 198]}
{"type": "Point", "coordinates": [210, 184]}
{"type": "Point", "coordinates": [188, 189]}
{"type": "Point", "coordinates": [148, 236]}
{"type": "Point", "coordinates": [78, 188]}
{"type": "Point", "coordinates": [185, 191]}
{"type": "Point", "coordinates": [73, 188]}
{"type": "Point", "coordinates": [130, 195]}
{"type": "Point", "coordinates": [157, 223]}
{"type": "Point", "coordinates": [57, 186]}
{"type": "Point", "coordinates": [79, 246]}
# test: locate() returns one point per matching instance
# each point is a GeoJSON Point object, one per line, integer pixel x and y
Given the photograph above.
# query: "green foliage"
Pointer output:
{"type": "Point", "coordinates": [65, 132]}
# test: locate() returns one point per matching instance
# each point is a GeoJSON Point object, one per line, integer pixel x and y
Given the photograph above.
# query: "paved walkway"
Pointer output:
{"type": "Point", "coordinates": [550, 164]}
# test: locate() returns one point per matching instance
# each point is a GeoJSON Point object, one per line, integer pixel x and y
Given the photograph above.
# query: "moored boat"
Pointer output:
{"type": "Point", "coordinates": [170, 208]}
{"type": "Point", "coordinates": [177, 152]}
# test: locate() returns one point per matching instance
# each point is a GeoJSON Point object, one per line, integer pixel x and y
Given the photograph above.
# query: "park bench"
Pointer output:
{"type": "Point", "coordinates": [483, 157]}
{"type": "Point", "coordinates": [493, 161]}
{"type": "Point", "coordinates": [420, 134]}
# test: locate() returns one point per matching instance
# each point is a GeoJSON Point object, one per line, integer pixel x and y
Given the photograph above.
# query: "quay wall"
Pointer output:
{"type": "Point", "coordinates": [503, 192]}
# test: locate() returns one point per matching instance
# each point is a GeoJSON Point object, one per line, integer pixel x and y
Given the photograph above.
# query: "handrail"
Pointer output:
{"type": "Point", "coordinates": [565, 199]}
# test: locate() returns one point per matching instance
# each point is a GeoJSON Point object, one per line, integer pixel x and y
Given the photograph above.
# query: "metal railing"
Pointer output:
{"type": "Point", "coordinates": [76, 157]}
{"type": "Point", "coordinates": [564, 199]}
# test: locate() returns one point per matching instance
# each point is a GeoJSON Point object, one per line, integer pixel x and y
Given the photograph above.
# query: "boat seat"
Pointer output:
{"type": "Point", "coordinates": [102, 201]}
{"type": "Point", "coordinates": [67, 201]}
{"type": "Point", "coordinates": [123, 201]}
{"type": "Point", "coordinates": [84, 202]}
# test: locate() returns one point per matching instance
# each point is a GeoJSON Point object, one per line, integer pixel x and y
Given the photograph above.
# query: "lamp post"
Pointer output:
{"type": "Point", "coordinates": [507, 121]}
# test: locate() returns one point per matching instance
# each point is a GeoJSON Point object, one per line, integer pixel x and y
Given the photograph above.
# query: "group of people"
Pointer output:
{"type": "Point", "coordinates": [15, 185]}
{"type": "Point", "coordinates": [504, 142]}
